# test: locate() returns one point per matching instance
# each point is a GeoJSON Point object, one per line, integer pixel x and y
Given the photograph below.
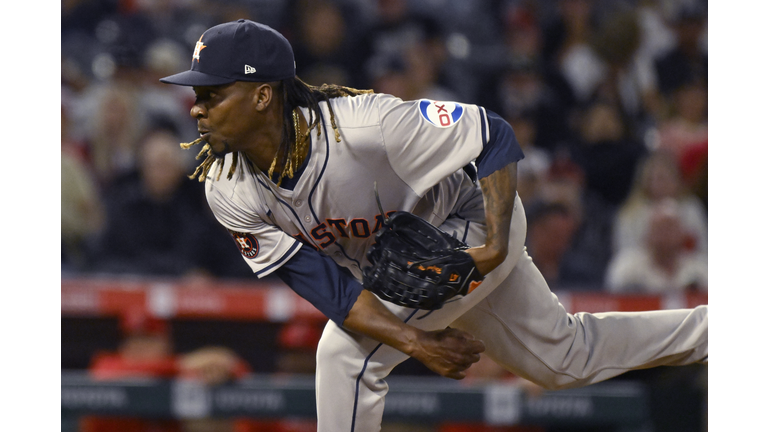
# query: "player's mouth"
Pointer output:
{"type": "Point", "coordinates": [205, 135]}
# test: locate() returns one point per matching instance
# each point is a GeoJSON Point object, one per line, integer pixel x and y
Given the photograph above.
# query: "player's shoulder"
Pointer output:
{"type": "Point", "coordinates": [374, 108]}
{"type": "Point", "coordinates": [357, 111]}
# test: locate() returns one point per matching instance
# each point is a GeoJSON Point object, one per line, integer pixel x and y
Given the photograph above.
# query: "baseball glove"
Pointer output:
{"type": "Point", "coordinates": [415, 264]}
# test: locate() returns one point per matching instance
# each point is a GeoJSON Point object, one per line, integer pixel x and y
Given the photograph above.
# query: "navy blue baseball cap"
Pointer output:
{"type": "Point", "coordinates": [240, 50]}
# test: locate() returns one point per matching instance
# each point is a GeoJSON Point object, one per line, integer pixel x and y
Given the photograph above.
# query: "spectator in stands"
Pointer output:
{"type": "Point", "coordinates": [152, 227]}
{"type": "Point", "coordinates": [82, 211]}
{"type": "Point", "coordinates": [662, 264]}
{"type": "Point", "coordinates": [158, 223]}
{"type": "Point", "coordinates": [113, 134]}
{"type": "Point", "coordinates": [398, 29]}
{"type": "Point", "coordinates": [325, 49]}
{"type": "Point", "coordinates": [533, 169]}
{"type": "Point", "coordinates": [607, 152]}
{"type": "Point", "coordinates": [687, 61]}
{"type": "Point", "coordinates": [551, 229]}
{"type": "Point", "coordinates": [658, 177]}
{"type": "Point", "coordinates": [567, 47]}
{"type": "Point", "coordinates": [146, 351]}
{"type": "Point", "coordinates": [388, 74]}
{"type": "Point", "coordinates": [523, 90]}
{"type": "Point", "coordinates": [686, 127]}
{"type": "Point", "coordinates": [569, 228]}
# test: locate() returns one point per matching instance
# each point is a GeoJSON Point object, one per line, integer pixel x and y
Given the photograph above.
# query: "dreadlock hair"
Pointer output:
{"type": "Point", "coordinates": [294, 145]}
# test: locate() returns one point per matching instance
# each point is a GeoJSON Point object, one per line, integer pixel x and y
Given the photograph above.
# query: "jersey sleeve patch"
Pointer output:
{"type": "Point", "coordinates": [441, 114]}
{"type": "Point", "coordinates": [246, 242]}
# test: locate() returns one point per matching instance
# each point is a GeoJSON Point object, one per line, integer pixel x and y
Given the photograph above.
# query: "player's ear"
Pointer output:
{"type": "Point", "coordinates": [262, 96]}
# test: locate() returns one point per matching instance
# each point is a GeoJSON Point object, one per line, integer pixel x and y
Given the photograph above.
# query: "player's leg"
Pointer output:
{"type": "Point", "coordinates": [350, 385]}
{"type": "Point", "coordinates": [527, 330]}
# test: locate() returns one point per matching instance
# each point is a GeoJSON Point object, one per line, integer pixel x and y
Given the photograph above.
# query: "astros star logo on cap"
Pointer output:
{"type": "Point", "coordinates": [198, 47]}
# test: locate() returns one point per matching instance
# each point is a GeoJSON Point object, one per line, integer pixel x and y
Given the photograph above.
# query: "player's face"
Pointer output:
{"type": "Point", "coordinates": [223, 115]}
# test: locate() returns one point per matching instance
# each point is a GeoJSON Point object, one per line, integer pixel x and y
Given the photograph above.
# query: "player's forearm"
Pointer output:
{"type": "Point", "coordinates": [448, 352]}
{"type": "Point", "coordinates": [370, 318]}
{"type": "Point", "coordinates": [499, 190]}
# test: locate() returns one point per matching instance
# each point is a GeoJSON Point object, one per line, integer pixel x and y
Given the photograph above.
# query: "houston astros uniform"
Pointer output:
{"type": "Point", "coordinates": [314, 230]}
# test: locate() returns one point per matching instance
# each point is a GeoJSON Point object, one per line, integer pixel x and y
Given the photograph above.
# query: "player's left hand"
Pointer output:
{"type": "Point", "coordinates": [449, 352]}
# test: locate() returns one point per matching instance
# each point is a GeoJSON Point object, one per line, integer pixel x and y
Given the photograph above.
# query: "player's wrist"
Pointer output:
{"type": "Point", "coordinates": [411, 341]}
{"type": "Point", "coordinates": [487, 257]}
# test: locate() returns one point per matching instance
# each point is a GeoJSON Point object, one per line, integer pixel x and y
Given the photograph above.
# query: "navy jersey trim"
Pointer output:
{"type": "Point", "coordinates": [502, 148]}
{"type": "Point", "coordinates": [330, 288]}
{"type": "Point", "coordinates": [482, 126]}
{"type": "Point", "coordinates": [360, 375]}
{"type": "Point", "coordinates": [322, 171]}
{"type": "Point", "coordinates": [466, 232]}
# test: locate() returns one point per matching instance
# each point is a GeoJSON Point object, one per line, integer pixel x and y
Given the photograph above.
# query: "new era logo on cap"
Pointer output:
{"type": "Point", "coordinates": [249, 69]}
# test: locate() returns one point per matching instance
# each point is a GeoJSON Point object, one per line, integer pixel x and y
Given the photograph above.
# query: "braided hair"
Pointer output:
{"type": "Point", "coordinates": [294, 145]}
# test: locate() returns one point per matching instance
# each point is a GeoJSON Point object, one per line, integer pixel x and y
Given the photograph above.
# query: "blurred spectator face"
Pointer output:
{"type": "Point", "coordinates": [161, 164]}
{"type": "Point", "coordinates": [575, 11]}
{"type": "Point", "coordinates": [146, 338]}
{"type": "Point", "coordinates": [116, 113]}
{"type": "Point", "coordinates": [392, 10]}
{"type": "Point", "coordinates": [665, 231]}
{"type": "Point", "coordinates": [560, 228]}
{"type": "Point", "coordinates": [688, 32]}
{"type": "Point", "coordinates": [553, 232]}
{"type": "Point", "coordinates": [525, 130]}
{"type": "Point", "coordinates": [422, 66]}
{"type": "Point", "coordinates": [522, 33]}
{"type": "Point", "coordinates": [691, 102]}
{"type": "Point", "coordinates": [661, 178]}
{"type": "Point", "coordinates": [323, 28]}
{"type": "Point", "coordinates": [602, 123]}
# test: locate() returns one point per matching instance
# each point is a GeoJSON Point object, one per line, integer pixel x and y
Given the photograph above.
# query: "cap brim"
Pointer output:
{"type": "Point", "coordinates": [196, 78]}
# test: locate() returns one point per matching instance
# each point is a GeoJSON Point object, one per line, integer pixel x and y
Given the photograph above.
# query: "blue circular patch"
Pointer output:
{"type": "Point", "coordinates": [441, 114]}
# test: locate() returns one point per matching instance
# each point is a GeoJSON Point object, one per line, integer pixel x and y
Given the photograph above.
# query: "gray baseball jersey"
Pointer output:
{"type": "Point", "coordinates": [332, 207]}
{"type": "Point", "coordinates": [415, 151]}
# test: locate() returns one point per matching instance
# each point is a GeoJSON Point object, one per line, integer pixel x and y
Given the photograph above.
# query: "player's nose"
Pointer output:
{"type": "Point", "coordinates": [197, 111]}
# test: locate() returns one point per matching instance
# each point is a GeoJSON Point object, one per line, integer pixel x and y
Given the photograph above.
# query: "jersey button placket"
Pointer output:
{"type": "Point", "coordinates": [307, 219]}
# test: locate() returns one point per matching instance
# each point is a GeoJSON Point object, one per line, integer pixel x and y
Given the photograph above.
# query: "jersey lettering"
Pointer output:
{"type": "Point", "coordinates": [360, 228]}
{"type": "Point", "coordinates": [332, 229]}
{"type": "Point", "coordinates": [340, 225]}
{"type": "Point", "coordinates": [319, 233]}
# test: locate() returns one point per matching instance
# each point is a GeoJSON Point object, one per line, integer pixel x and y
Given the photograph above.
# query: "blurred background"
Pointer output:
{"type": "Point", "coordinates": [609, 100]}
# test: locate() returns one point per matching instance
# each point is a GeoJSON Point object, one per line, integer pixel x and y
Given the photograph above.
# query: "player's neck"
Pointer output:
{"type": "Point", "coordinates": [267, 144]}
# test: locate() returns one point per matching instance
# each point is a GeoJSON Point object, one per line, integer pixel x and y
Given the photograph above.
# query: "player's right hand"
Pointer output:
{"type": "Point", "coordinates": [449, 352]}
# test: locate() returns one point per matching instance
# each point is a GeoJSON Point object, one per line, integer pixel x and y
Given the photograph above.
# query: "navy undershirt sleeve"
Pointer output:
{"type": "Point", "coordinates": [317, 278]}
{"type": "Point", "coordinates": [501, 148]}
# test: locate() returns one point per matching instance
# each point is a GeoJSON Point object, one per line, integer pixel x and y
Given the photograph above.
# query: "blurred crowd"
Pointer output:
{"type": "Point", "coordinates": [607, 98]}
